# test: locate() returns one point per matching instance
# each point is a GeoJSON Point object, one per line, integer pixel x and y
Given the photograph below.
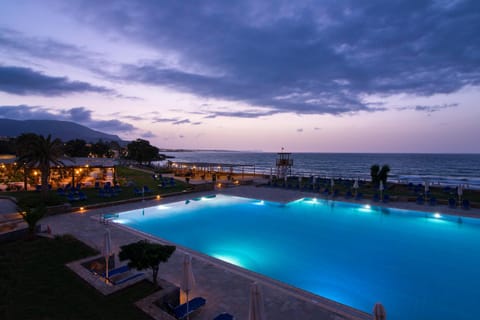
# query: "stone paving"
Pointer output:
{"type": "Point", "coordinates": [225, 287]}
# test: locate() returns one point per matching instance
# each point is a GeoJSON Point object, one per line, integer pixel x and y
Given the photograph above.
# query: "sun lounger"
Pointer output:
{"type": "Point", "coordinates": [420, 200]}
{"type": "Point", "coordinates": [452, 203]}
{"type": "Point", "coordinates": [224, 316]}
{"type": "Point", "coordinates": [386, 198]}
{"type": "Point", "coordinates": [123, 280]}
{"type": "Point", "coordinates": [465, 204]}
{"type": "Point", "coordinates": [137, 191]}
{"type": "Point", "coordinates": [180, 312]}
{"type": "Point", "coordinates": [116, 271]}
{"type": "Point", "coordinates": [432, 201]}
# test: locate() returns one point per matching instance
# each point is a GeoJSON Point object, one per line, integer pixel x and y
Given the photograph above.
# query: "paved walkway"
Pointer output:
{"type": "Point", "coordinates": [225, 287]}
{"type": "Point", "coordinates": [8, 211]}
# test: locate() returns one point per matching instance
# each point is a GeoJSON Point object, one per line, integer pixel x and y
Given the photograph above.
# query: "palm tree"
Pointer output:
{"type": "Point", "coordinates": [37, 151]}
{"type": "Point", "coordinates": [383, 174]}
{"type": "Point", "coordinates": [374, 170]}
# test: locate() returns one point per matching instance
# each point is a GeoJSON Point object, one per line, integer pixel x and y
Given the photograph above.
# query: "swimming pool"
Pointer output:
{"type": "Point", "coordinates": [419, 265]}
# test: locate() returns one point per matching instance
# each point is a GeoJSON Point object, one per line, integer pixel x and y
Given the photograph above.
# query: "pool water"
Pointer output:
{"type": "Point", "coordinates": [419, 265]}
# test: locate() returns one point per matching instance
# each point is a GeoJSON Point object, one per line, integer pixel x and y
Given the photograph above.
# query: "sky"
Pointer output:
{"type": "Point", "coordinates": [307, 76]}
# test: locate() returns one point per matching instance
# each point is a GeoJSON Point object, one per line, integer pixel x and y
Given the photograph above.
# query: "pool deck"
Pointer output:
{"type": "Point", "coordinates": [225, 287]}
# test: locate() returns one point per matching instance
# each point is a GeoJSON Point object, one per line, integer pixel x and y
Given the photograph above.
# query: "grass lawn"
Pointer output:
{"type": "Point", "coordinates": [36, 284]}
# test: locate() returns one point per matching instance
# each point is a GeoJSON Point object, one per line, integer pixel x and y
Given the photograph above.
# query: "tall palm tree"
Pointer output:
{"type": "Point", "coordinates": [40, 152]}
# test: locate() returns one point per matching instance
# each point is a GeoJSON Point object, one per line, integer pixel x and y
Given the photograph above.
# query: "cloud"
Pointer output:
{"type": "Point", "coordinates": [298, 56]}
{"type": "Point", "coordinates": [79, 115]}
{"type": "Point", "coordinates": [25, 81]}
{"type": "Point", "coordinates": [163, 120]}
{"type": "Point", "coordinates": [429, 109]}
{"type": "Point", "coordinates": [184, 121]}
{"type": "Point", "coordinates": [16, 44]}
{"type": "Point", "coordinates": [148, 134]}
{"type": "Point", "coordinates": [300, 130]}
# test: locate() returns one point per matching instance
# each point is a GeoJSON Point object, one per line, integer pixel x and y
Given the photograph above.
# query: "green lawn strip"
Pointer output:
{"type": "Point", "coordinates": [36, 284]}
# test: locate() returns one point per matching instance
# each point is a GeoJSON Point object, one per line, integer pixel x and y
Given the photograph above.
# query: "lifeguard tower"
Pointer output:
{"type": "Point", "coordinates": [284, 164]}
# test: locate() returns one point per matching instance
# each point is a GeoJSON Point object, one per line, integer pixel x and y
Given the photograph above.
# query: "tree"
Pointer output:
{"type": "Point", "coordinates": [383, 174]}
{"type": "Point", "coordinates": [374, 170]}
{"type": "Point", "coordinates": [31, 215]}
{"type": "Point", "coordinates": [76, 148]}
{"type": "Point", "coordinates": [378, 174]}
{"type": "Point", "coordinates": [144, 255]}
{"type": "Point", "coordinates": [100, 149]}
{"type": "Point", "coordinates": [142, 151]}
{"type": "Point", "coordinates": [37, 151]}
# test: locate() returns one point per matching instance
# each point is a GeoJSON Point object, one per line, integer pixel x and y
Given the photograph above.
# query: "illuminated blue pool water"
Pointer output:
{"type": "Point", "coordinates": [419, 265]}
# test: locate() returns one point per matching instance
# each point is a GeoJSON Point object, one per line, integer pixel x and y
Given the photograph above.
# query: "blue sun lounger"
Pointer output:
{"type": "Point", "coordinates": [180, 312]}
{"type": "Point", "coordinates": [224, 316]}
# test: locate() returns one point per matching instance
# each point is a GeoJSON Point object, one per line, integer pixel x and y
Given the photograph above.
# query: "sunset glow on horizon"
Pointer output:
{"type": "Point", "coordinates": [348, 76]}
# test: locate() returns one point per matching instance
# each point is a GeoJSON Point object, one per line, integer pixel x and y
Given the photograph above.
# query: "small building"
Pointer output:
{"type": "Point", "coordinates": [284, 164]}
{"type": "Point", "coordinates": [77, 171]}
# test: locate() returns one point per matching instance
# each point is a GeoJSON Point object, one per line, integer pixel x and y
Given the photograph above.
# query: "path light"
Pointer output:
{"type": "Point", "coordinates": [158, 197]}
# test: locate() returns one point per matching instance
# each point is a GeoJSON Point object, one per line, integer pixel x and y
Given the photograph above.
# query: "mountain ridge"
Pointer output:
{"type": "Point", "coordinates": [64, 130]}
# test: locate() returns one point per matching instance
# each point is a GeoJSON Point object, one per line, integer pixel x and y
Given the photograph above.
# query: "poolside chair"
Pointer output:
{"type": "Point", "coordinates": [71, 197]}
{"type": "Point", "coordinates": [432, 201]}
{"type": "Point", "coordinates": [137, 191]}
{"type": "Point", "coordinates": [451, 203]}
{"type": "Point", "coordinates": [376, 197]}
{"type": "Point", "coordinates": [359, 196]}
{"type": "Point", "coordinates": [146, 189]}
{"type": "Point", "coordinates": [420, 200]}
{"type": "Point", "coordinates": [386, 198]}
{"type": "Point", "coordinates": [224, 316]}
{"type": "Point", "coordinates": [465, 204]}
{"type": "Point", "coordinates": [180, 312]}
{"type": "Point", "coordinates": [82, 196]}
{"type": "Point", "coordinates": [61, 192]}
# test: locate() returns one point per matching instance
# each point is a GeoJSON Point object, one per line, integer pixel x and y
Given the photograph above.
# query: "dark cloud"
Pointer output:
{"type": "Point", "coordinates": [300, 130]}
{"type": "Point", "coordinates": [148, 134]}
{"type": "Point", "coordinates": [25, 81]}
{"type": "Point", "coordinates": [79, 115]}
{"type": "Point", "coordinates": [15, 43]}
{"type": "Point", "coordinates": [163, 120]}
{"type": "Point", "coordinates": [299, 56]}
{"type": "Point", "coordinates": [184, 121]}
{"type": "Point", "coordinates": [429, 109]}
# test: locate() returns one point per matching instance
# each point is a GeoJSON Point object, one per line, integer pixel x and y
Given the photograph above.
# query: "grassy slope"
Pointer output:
{"type": "Point", "coordinates": [35, 284]}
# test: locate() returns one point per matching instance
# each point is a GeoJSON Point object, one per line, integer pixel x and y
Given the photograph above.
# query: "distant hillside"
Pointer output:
{"type": "Point", "coordinates": [64, 130]}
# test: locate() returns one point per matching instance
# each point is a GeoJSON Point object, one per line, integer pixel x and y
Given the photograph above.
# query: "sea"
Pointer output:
{"type": "Point", "coordinates": [436, 169]}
